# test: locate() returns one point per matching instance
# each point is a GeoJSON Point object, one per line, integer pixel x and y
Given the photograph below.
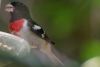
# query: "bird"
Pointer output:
{"type": "Point", "coordinates": [21, 24]}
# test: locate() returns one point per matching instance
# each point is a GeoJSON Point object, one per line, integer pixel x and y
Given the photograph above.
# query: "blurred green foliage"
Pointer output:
{"type": "Point", "coordinates": [66, 22]}
{"type": "Point", "coordinates": [90, 49]}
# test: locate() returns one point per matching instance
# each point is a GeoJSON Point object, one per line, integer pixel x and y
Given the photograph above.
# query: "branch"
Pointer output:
{"type": "Point", "coordinates": [18, 48]}
{"type": "Point", "coordinates": [13, 45]}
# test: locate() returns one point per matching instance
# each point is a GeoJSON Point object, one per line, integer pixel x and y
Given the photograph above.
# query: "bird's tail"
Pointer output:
{"type": "Point", "coordinates": [49, 40]}
{"type": "Point", "coordinates": [47, 49]}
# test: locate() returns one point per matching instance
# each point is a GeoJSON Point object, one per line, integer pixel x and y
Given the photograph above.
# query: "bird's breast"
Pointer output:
{"type": "Point", "coordinates": [16, 26]}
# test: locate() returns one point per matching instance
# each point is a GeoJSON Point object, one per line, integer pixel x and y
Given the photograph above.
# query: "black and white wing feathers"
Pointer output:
{"type": "Point", "coordinates": [37, 29]}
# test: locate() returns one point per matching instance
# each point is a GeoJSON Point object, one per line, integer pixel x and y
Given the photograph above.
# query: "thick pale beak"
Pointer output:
{"type": "Point", "coordinates": [9, 8]}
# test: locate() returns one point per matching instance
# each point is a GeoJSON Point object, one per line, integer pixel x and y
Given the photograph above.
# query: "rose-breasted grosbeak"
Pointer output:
{"type": "Point", "coordinates": [22, 25]}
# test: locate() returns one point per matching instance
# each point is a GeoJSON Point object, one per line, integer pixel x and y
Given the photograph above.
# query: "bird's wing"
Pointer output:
{"type": "Point", "coordinates": [34, 27]}
{"type": "Point", "coordinates": [38, 30]}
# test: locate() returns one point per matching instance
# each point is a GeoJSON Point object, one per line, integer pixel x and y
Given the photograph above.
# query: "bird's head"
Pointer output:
{"type": "Point", "coordinates": [15, 6]}
{"type": "Point", "coordinates": [17, 10]}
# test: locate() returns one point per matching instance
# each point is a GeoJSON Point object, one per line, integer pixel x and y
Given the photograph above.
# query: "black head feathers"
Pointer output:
{"type": "Point", "coordinates": [19, 5]}
{"type": "Point", "coordinates": [16, 4]}
{"type": "Point", "coordinates": [20, 11]}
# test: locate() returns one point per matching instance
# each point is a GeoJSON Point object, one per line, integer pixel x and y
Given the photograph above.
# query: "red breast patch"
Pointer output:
{"type": "Point", "coordinates": [16, 25]}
